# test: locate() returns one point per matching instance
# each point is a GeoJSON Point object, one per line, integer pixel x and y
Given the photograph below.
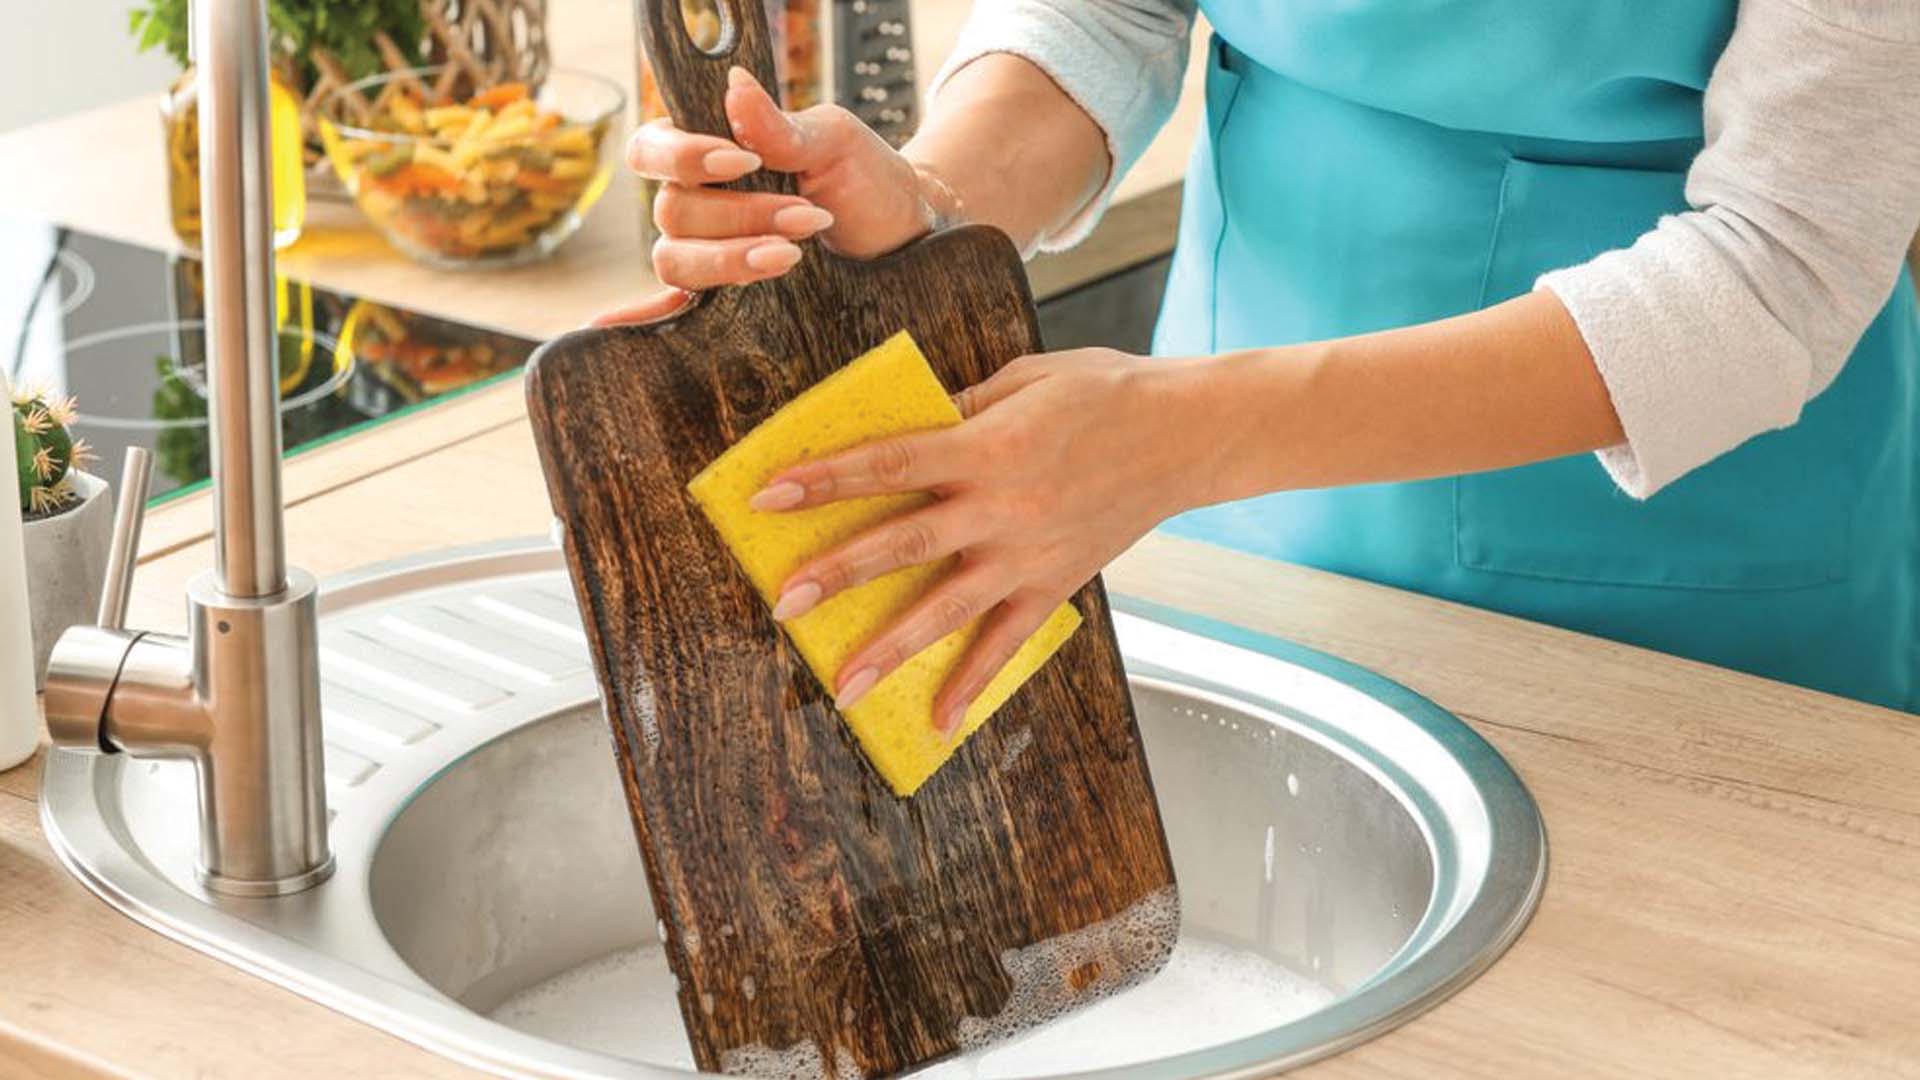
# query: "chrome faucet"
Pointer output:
{"type": "Point", "coordinates": [239, 695]}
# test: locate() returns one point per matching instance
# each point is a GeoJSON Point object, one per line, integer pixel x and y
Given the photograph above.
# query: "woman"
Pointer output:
{"type": "Point", "coordinates": [1430, 256]}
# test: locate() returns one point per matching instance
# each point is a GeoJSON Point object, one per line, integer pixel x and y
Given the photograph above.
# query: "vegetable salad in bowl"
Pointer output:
{"type": "Point", "coordinates": [500, 178]}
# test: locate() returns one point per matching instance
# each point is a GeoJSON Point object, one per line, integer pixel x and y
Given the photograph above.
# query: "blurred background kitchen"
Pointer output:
{"type": "Point", "coordinates": [424, 150]}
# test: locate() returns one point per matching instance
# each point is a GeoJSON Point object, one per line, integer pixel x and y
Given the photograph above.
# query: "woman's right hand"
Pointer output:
{"type": "Point", "coordinates": [862, 196]}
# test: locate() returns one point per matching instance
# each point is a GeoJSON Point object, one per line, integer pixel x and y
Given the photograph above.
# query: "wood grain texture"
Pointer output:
{"type": "Point", "coordinates": [805, 905]}
{"type": "Point", "coordinates": [804, 902]}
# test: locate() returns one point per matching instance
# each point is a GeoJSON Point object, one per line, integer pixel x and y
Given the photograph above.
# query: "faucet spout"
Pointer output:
{"type": "Point", "coordinates": [236, 192]}
{"type": "Point", "coordinates": [239, 695]}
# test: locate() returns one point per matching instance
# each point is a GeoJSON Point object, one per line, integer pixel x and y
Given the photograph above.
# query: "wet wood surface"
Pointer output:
{"type": "Point", "coordinates": [807, 909]}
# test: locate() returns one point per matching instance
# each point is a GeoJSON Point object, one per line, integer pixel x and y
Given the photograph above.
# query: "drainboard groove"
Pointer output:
{"type": "Point", "coordinates": [381, 722]}
{"type": "Point", "coordinates": [378, 662]}
{"type": "Point", "coordinates": [536, 609]}
{"type": "Point", "coordinates": [447, 632]}
{"type": "Point", "coordinates": [346, 768]}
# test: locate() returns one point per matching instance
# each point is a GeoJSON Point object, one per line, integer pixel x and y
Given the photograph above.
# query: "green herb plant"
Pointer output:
{"type": "Point", "coordinates": [344, 28]}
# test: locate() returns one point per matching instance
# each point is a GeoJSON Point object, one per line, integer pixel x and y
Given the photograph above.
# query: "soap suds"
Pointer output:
{"type": "Point", "coordinates": [647, 714]}
{"type": "Point", "coordinates": [1208, 994]}
{"type": "Point", "coordinates": [1055, 975]}
{"type": "Point", "coordinates": [1017, 744]}
{"type": "Point", "coordinates": [801, 1061]}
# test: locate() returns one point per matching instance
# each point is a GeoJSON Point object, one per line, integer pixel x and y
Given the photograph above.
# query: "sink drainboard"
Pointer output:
{"type": "Point", "coordinates": [1320, 816]}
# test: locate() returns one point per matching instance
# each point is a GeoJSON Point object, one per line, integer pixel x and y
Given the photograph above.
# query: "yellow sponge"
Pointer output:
{"type": "Point", "coordinates": [885, 392]}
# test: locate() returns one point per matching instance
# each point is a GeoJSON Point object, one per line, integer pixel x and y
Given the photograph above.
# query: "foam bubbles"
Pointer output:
{"type": "Point", "coordinates": [1017, 744]}
{"type": "Point", "coordinates": [1055, 975]}
{"type": "Point", "coordinates": [1209, 993]}
{"type": "Point", "coordinates": [647, 712]}
{"type": "Point", "coordinates": [801, 1061]}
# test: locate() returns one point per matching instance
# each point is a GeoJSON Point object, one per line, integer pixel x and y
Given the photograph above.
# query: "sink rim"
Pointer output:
{"type": "Point", "coordinates": [1450, 947]}
{"type": "Point", "coordinates": [1453, 943]}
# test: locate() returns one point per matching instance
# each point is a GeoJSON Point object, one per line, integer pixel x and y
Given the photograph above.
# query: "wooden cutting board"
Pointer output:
{"type": "Point", "coordinates": [815, 922]}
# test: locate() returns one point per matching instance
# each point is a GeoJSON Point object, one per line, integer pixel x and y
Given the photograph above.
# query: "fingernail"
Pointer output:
{"type": "Point", "coordinates": [951, 719]}
{"type": "Point", "coordinates": [796, 601]}
{"type": "Point", "coordinates": [855, 688]}
{"type": "Point", "coordinates": [773, 256]}
{"type": "Point", "coordinates": [784, 495]}
{"type": "Point", "coordinates": [729, 163]}
{"type": "Point", "coordinates": [739, 76]}
{"type": "Point", "coordinates": [801, 220]}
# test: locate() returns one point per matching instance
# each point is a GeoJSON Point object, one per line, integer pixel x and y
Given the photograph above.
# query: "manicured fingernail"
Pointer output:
{"type": "Point", "coordinates": [801, 220]}
{"type": "Point", "coordinates": [950, 720]}
{"type": "Point", "coordinates": [855, 688]}
{"type": "Point", "coordinates": [730, 163]}
{"type": "Point", "coordinates": [796, 601]}
{"type": "Point", "coordinates": [739, 76]}
{"type": "Point", "coordinates": [784, 495]}
{"type": "Point", "coordinates": [773, 256]}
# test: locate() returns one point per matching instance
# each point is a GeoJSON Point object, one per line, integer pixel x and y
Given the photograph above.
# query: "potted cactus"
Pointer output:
{"type": "Point", "coordinates": [69, 521]}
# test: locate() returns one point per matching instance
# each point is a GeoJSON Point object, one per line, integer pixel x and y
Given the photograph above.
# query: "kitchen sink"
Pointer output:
{"type": "Point", "coordinates": [1322, 819]}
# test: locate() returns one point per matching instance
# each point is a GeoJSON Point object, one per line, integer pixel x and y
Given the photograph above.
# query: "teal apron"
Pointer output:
{"type": "Point", "coordinates": [1373, 163]}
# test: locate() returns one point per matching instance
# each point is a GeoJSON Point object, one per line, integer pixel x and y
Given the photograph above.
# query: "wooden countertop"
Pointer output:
{"type": "Point", "coordinates": [1734, 891]}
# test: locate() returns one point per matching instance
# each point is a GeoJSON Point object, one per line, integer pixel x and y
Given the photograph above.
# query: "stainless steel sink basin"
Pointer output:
{"type": "Point", "coordinates": [1321, 817]}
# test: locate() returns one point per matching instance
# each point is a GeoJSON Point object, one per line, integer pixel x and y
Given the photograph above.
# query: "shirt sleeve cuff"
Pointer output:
{"type": "Point", "coordinates": [1099, 62]}
{"type": "Point", "coordinates": [1655, 316]}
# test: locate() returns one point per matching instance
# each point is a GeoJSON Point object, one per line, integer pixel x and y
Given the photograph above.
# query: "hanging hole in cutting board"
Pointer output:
{"type": "Point", "coordinates": [712, 25]}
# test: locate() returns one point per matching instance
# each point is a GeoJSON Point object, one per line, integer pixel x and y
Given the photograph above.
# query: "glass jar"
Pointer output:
{"type": "Point", "coordinates": [180, 121]}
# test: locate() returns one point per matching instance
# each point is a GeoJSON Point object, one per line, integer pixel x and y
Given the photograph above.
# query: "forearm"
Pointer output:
{"type": "Point", "coordinates": [1015, 151]}
{"type": "Point", "coordinates": [1506, 386]}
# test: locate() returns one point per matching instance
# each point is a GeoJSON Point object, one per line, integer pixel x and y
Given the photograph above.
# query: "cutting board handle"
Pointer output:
{"type": "Point", "coordinates": [693, 82]}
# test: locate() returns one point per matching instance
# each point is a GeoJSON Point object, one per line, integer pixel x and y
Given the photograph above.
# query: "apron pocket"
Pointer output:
{"type": "Point", "coordinates": [1775, 513]}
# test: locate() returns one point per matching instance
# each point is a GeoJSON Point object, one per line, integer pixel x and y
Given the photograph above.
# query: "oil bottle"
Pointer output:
{"type": "Point", "coordinates": [180, 118]}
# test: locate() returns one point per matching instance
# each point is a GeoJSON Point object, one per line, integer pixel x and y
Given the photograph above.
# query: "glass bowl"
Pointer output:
{"type": "Point", "coordinates": [498, 179]}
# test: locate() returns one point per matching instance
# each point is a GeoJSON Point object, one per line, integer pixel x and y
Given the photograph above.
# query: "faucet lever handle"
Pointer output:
{"type": "Point", "coordinates": [136, 478]}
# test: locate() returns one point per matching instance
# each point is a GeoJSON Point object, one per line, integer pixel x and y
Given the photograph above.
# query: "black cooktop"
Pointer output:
{"type": "Point", "coordinates": [119, 327]}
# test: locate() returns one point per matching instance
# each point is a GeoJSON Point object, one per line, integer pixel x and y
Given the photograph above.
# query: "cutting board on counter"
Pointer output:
{"type": "Point", "coordinates": [814, 920]}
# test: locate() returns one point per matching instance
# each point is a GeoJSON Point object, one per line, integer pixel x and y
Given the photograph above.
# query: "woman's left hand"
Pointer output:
{"type": "Point", "coordinates": [1064, 460]}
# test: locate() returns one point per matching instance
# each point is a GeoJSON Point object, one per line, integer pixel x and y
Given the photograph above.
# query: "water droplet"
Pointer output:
{"type": "Point", "coordinates": [1293, 784]}
{"type": "Point", "coordinates": [1269, 854]}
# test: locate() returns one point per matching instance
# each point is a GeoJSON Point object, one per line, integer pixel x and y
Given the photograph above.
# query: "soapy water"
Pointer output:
{"type": "Point", "coordinates": [1209, 993]}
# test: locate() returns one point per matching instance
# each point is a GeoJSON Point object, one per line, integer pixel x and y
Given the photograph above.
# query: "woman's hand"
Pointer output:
{"type": "Point", "coordinates": [1065, 460]}
{"type": "Point", "coordinates": [857, 192]}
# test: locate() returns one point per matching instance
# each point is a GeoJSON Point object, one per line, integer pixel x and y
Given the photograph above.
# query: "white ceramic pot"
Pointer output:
{"type": "Point", "coordinates": [66, 556]}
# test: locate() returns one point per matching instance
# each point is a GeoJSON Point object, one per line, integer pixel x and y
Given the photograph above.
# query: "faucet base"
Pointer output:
{"type": "Point", "coordinates": [287, 886]}
{"type": "Point", "coordinates": [263, 803]}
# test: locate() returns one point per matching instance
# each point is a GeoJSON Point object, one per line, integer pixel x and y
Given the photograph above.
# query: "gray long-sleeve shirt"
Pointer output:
{"type": "Point", "coordinates": [1719, 323]}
